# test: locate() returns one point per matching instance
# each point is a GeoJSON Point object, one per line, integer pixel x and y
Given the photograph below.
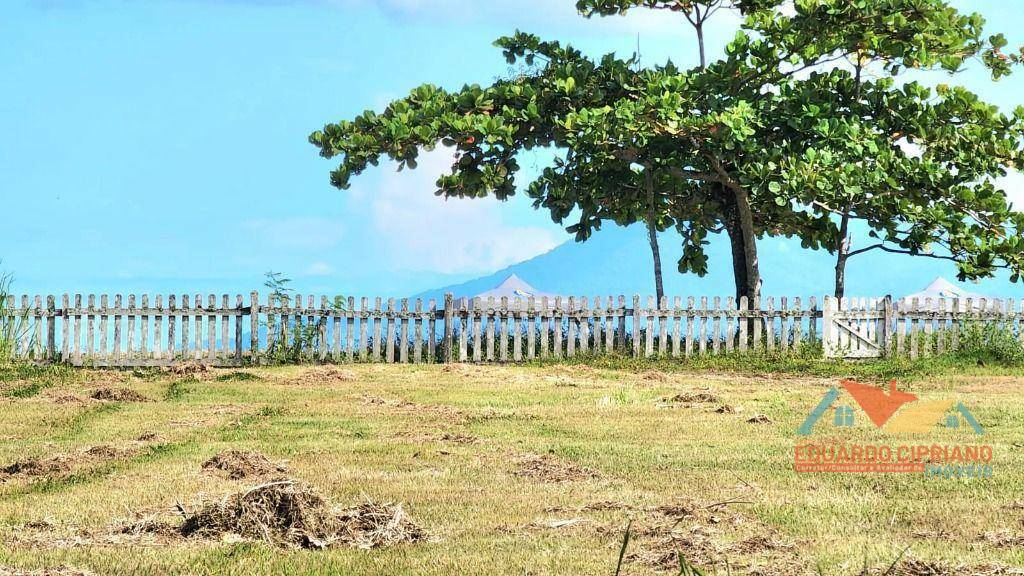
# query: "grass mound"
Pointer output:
{"type": "Point", "coordinates": [240, 464]}
{"type": "Point", "coordinates": [693, 398]}
{"type": "Point", "coordinates": [189, 369]}
{"type": "Point", "coordinates": [326, 375]}
{"type": "Point", "coordinates": [61, 464]}
{"type": "Point", "coordinates": [547, 468]}
{"type": "Point", "coordinates": [288, 513]}
{"type": "Point", "coordinates": [118, 395]}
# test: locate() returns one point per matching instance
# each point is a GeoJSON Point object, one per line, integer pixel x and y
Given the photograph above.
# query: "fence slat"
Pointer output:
{"type": "Point", "coordinates": [403, 343]}
{"type": "Point", "coordinates": [389, 332]}
{"type": "Point", "coordinates": [743, 322]}
{"type": "Point", "coordinates": [545, 321]}
{"type": "Point", "coordinates": [478, 319]}
{"type": "Point", "coordinates": [570, 326]}
{"type": "Point", "coordinates": [463, 329]}
{"type": "Point", "coordinates": [716, 326]}
{"type": "Point", "coordinates": [531, 329]}
{"type": "Point", "coordinates": [517, 333]}
{"type": "Point", "coordinates": [702, 341]}
{"type": "Point", "coordinates": [584, 325]}
{"type": "Point", "coordinates": [417, 336]}
{"type": "Point", "coordinates": [364, 319]}
{"type": "Point", "coordinates": [431, 326]}
{"type": "Point", "coordinates": [73, 331]}
{"type": "Point", "coordinates": [556, 338]}
{"type": "Point", "coordinates": [377, 329]}
{"type": "Point", "coordinates": [503, 330]}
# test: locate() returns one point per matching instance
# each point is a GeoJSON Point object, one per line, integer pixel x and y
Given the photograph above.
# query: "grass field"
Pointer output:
{"type": "Point", "coordinates": [510, 470]}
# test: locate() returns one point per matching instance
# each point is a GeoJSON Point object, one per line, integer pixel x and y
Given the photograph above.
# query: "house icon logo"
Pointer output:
{"type": "Point", "coordinates": [893, 411]}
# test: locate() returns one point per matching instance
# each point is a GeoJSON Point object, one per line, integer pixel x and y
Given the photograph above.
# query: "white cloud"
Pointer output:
{"type": "Point", "coordinates": [319, 269]}
{"type": "Point", "coordinates": [420, 231]}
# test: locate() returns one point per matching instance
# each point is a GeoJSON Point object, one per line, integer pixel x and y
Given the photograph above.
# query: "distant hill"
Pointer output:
{"type": "Point", "coordinates": [617, 260]}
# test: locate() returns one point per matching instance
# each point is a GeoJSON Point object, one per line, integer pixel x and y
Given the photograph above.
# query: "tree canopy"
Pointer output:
{"type": "Point", "coordinates": [784, 135]}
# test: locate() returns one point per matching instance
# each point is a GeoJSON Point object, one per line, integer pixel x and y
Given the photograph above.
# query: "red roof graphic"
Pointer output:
{"type": "Point", "coordinates": [878, 405]}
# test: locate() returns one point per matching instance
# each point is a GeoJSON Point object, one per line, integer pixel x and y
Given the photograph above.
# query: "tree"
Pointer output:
{"type": "Point", "coordinates": [732, 147]}
{"type": "Point", "coordinates": [857, 165]}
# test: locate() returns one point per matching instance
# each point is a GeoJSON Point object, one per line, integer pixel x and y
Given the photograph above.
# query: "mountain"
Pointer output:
{"type": "Point", "coordinates": [617, 260]}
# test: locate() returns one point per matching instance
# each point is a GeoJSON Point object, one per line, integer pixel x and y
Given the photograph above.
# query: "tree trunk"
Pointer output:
{"type": "Point", "coordinates": [739, 268]}
{"type": "Point", "coordinates": [740, 227]}
{"type": "Point", "coordinates": [652, 234]}
{"type": "Point", "coordinates": [700, 44]}
{"type": "Point", "coordinates": [842, 253]}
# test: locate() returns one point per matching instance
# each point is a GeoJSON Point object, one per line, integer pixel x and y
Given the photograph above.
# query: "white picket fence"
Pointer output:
{"type": "Point", "coordinates": [140, 330]}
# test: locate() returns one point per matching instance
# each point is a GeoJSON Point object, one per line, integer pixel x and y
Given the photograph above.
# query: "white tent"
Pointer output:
{"type": "Point", "coordinates": [514, 288]}
{"type": "Point", "coordinates": [944, 289]}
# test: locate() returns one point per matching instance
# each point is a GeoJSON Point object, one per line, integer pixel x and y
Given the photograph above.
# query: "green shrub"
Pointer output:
{"type": "Point", "coordinates": [986, 343]}
{"type": "Point", "coordinates": [14, 327]}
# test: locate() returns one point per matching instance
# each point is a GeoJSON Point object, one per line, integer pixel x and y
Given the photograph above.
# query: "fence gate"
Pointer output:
{"type": "Point", "coordinates": [856, 327]}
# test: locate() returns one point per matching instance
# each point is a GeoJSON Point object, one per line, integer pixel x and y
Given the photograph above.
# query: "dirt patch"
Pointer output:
{"type": "Point", "coordinates": [118, 395]}
{"type": "Point", "coordinates": [654, 376]}
{"type": "Point", "coordinates": [459, 438]}
{"type": "Point", "coordinates": [606, 505]}
{"type": "Point", "coordinates": [1004, 538]}
{"type": "Point", "coordinates": [759, 419]}
{"type": "Point", "coordinates": [760, 543]}
{"type": "Point", "coordinates": [463, 369]}
{"type": "Point", "coordinates": [725, 409]}
{"type": "Point", "coordinates": [59, 397]}
{"type": "Point", "coordinates": [915, 567]}
{"type": "Point", "coordinates": [56, 571]}
{"type": "Point", "coordinates": [154, 528]}
{"type": "Point", "coordinates": [687, 398]}
{"type": "Point", "coordinates": [62, 464]}
{"type": "Point", "coordinates": [240, 464]}
{"type": "Point", "coordinates": [440, 411]}
{"type": "Point", "coordinates": [288, 513]}
{"type": "Point", "coordinates": [547, 468]}
{"type": "Point", "coordinates": [192, 369]}
{"type": "Point", "coordinates": [705, 537]}
{"type": "Point", "coordinates": [324, 375]}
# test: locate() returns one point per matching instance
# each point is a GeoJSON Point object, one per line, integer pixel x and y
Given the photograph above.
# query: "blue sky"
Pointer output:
{"type": "Point", "coordinates": [161, 145]}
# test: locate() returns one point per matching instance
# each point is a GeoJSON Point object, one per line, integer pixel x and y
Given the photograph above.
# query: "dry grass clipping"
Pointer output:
{"type": "Point", "coordinates": [693, 398]}
{"type": "Point", "coordinates": [324, 375]}
{"type": "Point", "coordinates": [915, 567]}
{"type": "Point", "coordinates": [243, 464]}
{"type": "Point", "coordinates": [194, 369]}
{"type": "Point", "coordinates": [547, 468]}
{"type": "Point", "coordinates": [288, 513]}
{"type": "Point", "coordinates": [62, 464]}
{"type": "Point", "coordinates": [56, 571]}
{"type": "Point", "coordinates": [118, 395]}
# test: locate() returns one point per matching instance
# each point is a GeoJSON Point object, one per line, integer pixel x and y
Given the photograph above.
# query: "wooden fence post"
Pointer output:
{"type": "Point", "coordinates": [887, 326]}
{"type": "Point", "coordinates": [51, 333]}
{"type": "Point", "coordinates": [254, 327]}
{"type": "Point", "coordinates": [827, 341]}
{"type": "Point", "coordinates": [636, 326]}
{"type": "Point", "coordinates": [449, 326]}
